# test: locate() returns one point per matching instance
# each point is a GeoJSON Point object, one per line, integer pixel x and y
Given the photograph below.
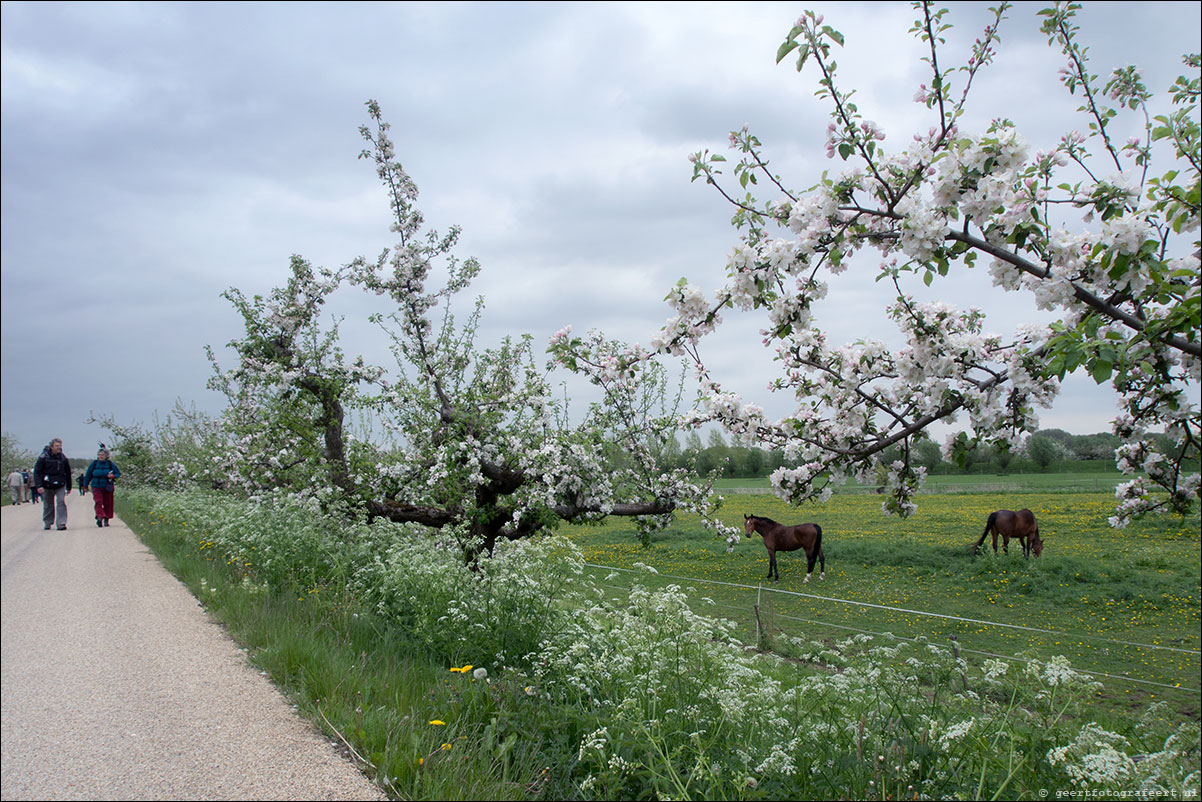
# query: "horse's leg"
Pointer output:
{"type": "Point", "coordinates": [1005, 544]}
{"type": "Point", "coordinates": [772, 564]}
{"type": "Point", "coordinates": [822, 560]}
{"type": "Point", "coordinates": [813, 556]}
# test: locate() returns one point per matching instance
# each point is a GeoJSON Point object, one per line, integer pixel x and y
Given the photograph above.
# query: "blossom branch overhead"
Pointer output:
{"type": "Point", "coordinates": [1115, 258]}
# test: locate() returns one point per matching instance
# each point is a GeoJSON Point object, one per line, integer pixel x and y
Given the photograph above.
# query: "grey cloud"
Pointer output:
{"type": "Point", "coordinates": [155, 154]}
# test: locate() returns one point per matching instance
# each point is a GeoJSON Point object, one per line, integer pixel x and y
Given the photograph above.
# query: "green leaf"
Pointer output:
{"type": "Point", "coordinates": [803, 53]}
{"type": "Point", "coordinates": [1119, 267]}
{"type": "Point", "coordinates": [785, 49]}
{"type": "Point", "coordinates": [1101, 371]}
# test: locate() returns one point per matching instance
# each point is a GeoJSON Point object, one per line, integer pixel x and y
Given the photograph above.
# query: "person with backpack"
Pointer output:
{"type": "Point", "coordinates": [101, 476]}
{"type": "Point", "coordinates": [52, 474]}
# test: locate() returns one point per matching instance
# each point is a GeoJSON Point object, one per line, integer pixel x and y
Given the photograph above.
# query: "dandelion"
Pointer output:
{"type": "Point", "coordinates": [438, 723]}
{"type": "Point", "coordinates": [480, 673]}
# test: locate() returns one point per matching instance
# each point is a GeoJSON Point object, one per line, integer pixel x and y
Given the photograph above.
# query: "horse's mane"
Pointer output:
{"type": "Point", "coordinates": [765, 520]}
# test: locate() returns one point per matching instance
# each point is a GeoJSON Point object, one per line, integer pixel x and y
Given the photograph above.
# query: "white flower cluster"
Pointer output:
{"type": "Point", "coordinates": [1097, 759]}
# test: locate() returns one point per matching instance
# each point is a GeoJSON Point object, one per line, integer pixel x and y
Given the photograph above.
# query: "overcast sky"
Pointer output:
{"type": "Point", "coordinates": [156, 154]}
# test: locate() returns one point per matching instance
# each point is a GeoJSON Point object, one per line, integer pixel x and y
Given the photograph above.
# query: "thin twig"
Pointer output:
{"type": "Point", "coordinates": [379, 775]}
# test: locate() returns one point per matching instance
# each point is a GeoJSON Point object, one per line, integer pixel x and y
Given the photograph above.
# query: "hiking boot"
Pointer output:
{"type": "Point", "coordinates": [98, 524]}
{"type": "Point", "coordinates": [106, 521]}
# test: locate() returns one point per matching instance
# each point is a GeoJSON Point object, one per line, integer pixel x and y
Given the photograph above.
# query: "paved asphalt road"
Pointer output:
{"type": "Point", "coordinates": [117, 685]}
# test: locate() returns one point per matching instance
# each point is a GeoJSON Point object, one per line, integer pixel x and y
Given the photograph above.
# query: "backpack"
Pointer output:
{"type": "Point", "coordinates": [54, 472]}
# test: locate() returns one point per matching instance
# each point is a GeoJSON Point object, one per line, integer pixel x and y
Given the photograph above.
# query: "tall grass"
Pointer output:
{"type": "Point", "coordinates": [527, 680]}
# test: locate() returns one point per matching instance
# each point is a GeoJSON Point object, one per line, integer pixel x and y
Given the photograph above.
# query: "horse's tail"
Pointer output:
{"type": "Point", "coordinates": [988, 525]}
{"type": "Point", "coordinates": [818, 546]}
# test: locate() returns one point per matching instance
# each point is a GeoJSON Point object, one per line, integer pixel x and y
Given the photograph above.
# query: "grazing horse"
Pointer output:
{"type": "Point", "coordinates": [1008, 524]}
{"type": "Point", "coordinates": [778, 537]}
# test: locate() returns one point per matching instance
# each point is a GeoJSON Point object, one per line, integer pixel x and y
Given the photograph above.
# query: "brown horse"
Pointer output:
{"type": "Point", "coordinates": [778, 537]}
{"type": "Point", "coordinates": [1008, 524]}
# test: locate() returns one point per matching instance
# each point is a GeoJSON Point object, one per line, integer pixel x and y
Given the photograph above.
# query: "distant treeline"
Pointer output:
{"type": "Point", "coordinates": [1049, 450]}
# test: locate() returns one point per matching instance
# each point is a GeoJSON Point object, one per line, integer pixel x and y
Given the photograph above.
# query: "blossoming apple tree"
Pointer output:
{"type": "Point", "coordinates": [1087, 227]}
{"type": "Point", "coordinates": [479, 446]}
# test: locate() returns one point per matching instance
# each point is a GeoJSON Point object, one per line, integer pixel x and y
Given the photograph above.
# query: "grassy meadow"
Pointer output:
{"type": "Point", "coordinates": [1100, 591]}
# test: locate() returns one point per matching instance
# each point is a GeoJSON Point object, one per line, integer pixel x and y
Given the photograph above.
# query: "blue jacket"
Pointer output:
{"type": "Point", "coordinates": [97, 475]}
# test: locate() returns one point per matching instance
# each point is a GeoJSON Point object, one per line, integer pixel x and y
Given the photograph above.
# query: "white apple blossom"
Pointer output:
{"type": "Point", "coordinates": [1124, 299]}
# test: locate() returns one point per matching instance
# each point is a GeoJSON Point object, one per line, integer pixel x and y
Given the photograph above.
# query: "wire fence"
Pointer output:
{"type": "Point", "coordinates": [1031, 634]}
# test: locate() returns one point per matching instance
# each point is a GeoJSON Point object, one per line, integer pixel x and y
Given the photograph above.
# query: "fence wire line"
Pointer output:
{"type": "Point", "coordinates": [965, 649]}
{"type": "Point", "coordinates": [1194, 652]}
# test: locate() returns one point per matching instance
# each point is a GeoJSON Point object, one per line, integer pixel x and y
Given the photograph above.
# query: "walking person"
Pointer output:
{"type": "Point", "coordinates": [26, 491]}
{"type": "Point", "coordinates": [52, 475]}
{"type": "Point", "coordinates": [15, 486]}
{"type": "Point", "coordinates": [101, 476]}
